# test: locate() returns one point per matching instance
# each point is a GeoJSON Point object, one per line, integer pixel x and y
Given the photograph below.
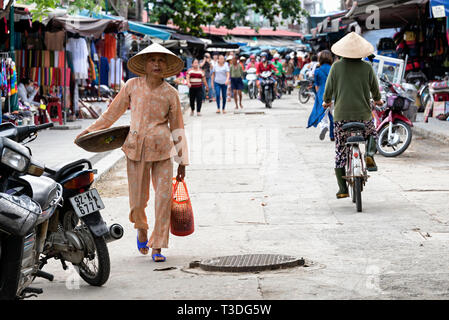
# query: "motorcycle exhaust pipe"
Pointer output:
{"type": "Point", "coordinates": [115, 233]}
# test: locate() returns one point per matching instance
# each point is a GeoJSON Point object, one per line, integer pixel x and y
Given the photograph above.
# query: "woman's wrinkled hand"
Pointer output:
{"type": "Point", "coordinates": [181, 173]}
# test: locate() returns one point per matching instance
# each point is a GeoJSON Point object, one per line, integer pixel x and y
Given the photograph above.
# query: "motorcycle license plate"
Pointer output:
{"type": "Point", "coordinates": [87, 203]}
{"type": "Point", "coordinates": [290, 82]}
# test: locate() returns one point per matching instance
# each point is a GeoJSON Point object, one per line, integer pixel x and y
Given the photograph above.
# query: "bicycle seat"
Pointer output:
{"type": "Point", "coordinates": [353, 126]}
{"type": "Point", "coordinates": [355, 140]}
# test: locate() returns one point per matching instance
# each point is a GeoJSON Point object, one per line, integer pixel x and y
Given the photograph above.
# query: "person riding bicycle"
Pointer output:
{"type": "Point", "coordinates": [351, 82]}
{"type": "Point", "coordinates": [265, 65]}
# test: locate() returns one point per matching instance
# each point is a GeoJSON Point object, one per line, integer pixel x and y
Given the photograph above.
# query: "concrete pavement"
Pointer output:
{"type": "Point", "coordinates": [434, 128]}
{"type": "Point", "coordinates": [262, 183]}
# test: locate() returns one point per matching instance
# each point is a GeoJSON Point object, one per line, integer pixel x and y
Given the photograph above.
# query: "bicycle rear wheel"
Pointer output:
{"type": "Point", "coordinates": [357, 193]}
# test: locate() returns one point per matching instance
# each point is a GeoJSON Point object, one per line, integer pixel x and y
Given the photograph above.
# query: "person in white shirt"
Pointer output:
{"type": "Point", "coordinates": [308, 71]}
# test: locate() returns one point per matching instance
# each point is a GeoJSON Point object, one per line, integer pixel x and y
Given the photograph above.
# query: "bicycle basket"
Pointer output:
{"type": "Point", "coordinates": [397, 103]}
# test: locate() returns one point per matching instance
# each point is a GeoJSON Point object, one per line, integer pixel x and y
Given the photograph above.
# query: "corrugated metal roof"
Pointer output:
{"type": "Point", "coordinates": [247, 31]}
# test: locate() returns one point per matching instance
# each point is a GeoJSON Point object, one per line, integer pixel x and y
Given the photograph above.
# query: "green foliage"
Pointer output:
{"type": "Point", "coordinates": [43, 7]}
{"type": "Point", "coordinates": [189, 15]}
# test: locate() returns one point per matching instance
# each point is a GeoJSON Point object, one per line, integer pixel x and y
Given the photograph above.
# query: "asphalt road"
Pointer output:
{"type": "Point", "coordinates": [260, 182]}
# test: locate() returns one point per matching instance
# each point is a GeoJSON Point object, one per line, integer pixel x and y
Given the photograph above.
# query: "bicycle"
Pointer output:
{"type": "Point", "coordinates": [356, 172]}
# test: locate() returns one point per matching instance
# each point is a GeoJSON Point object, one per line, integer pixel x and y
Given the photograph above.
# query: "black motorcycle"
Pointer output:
{"type": "Point", "coordinates": [47, 213]}
{"type": "Point", "coordinates": [267, 88]}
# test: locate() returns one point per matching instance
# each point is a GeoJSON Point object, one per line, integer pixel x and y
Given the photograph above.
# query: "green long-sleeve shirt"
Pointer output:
{"type": "Point", "coordinates": [350, 83]}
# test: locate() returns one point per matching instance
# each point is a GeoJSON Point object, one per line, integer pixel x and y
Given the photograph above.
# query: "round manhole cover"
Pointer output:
{"type": "Point", "coordinates": [249, 263]}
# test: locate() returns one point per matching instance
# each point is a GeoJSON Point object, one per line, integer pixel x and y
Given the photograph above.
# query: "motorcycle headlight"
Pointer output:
{"type": "Point", "coordinates": [14, 160]}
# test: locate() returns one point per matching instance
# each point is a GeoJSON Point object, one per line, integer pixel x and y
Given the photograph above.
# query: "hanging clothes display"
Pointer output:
{"type": "Point", "coordinates": [8, 77]}
{"type": "Point", "coordinates": [54, 41]}
{"type": "Point", "coordinates": [104, 71]}
{"type": "Point", "coordinates": [43, 67]}
{"type": "Point", "coordinates": [78, 49]}
{"type": "Point", "coordinates": [110, 46]}
{"type": "Point", "coordinates": [115, 74]}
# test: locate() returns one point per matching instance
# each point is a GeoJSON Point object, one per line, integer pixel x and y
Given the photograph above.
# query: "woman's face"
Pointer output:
{"type": "Point", "coordinates": [156, 64]}
{"type": "Point", "coordinates": [221, 59]}
{"type": "Point", "coordinates": [195, 64]}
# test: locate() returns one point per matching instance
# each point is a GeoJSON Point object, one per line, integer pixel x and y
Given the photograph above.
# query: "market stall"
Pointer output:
{"type": "Point", "coordinates": [66, 57]}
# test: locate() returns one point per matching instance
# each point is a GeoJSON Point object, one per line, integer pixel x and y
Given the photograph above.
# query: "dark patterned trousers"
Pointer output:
{"type": "Point", "coordinates": [342, 136]}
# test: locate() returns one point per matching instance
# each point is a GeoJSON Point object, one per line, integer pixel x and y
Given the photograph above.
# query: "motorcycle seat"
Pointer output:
{"type": "Point", "coordinates": [353, 126]}
{"type": "Point", "coordinates": [64, 169]}
{"type": "Point", "coordinates": [45, 190]}
{"type": "Point", "coordinates": [355, 140]}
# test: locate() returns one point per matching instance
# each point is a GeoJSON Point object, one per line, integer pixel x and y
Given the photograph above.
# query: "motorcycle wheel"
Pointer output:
{"type": "Point", "coordinates": [303, 95]}
{"type": "Point", "coordinates": [405, 138]}
{"type": "Point", "coordinates": [268, 99]}
{"type": "Point", "coordinates": [250, 93]}
{"type": "Point", "coordinates": [424, 98]}
{"type": "Point", "coordinates": [96, 274]}
{"type": "Point", "coordinates": [95, 267]}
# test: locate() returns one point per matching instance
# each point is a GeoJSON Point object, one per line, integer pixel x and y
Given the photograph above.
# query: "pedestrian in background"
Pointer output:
{"type": "Point", "coordinates": [207, 66]}
{"type": "Point", "coordinates": [318, 112]}
{"type": "Point", "coordinates": [196, 80]}
{"type": "Point", "coordinates": [230, 93]}
{"type": "Point", "coordinates": [236, 72]}
{"type": "Point", "coordinates": [220, 79]}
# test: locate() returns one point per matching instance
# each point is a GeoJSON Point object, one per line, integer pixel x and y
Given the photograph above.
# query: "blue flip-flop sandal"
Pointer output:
{"type": "Point", "coordinates": [142, 245]}
{"type": "Point", "coordinates": [158, 255]}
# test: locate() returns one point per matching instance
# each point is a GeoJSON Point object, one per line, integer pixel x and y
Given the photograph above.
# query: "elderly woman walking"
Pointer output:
{"type": "Point", "coordinates": [351, 83]}
{"type": "Point", "coordinates": [156, 136]}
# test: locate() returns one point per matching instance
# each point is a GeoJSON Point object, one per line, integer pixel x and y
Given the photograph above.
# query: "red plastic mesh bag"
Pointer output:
{"type": "Point", "coordinates": [181, 220]}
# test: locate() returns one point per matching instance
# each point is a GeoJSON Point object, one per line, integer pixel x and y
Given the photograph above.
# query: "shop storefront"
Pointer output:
{"type": "Point", "coordinates": [67, 58]}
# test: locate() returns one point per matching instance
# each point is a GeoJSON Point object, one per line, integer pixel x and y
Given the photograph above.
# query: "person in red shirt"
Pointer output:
{"type": "Point", "coordinates": [265, 65]}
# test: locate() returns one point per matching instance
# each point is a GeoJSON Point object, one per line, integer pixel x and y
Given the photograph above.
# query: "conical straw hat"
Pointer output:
{"type": "Point", "coordinates": [137, 63]}
{"type": "Point", "coordinates": [352, 46]}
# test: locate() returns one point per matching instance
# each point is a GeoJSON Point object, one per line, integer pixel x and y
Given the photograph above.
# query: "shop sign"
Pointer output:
{"type": "Point", "coordinates": [438, 11]}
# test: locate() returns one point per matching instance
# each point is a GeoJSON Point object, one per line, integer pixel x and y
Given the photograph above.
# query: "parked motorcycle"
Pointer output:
{"type": "Point", "coordinates": [251, 76]}
{"type": "Point", "coordinates": [428, 90]}
{"type": "Point", "coordinates": [267, 87]}
{"type": "Point", "coordinates": [394, 129]}
{"type": "Point", "coordinates": [47, 213]}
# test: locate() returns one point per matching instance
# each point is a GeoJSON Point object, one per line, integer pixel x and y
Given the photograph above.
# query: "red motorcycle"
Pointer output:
{"type": "Point", "coordinates": [393, 127]}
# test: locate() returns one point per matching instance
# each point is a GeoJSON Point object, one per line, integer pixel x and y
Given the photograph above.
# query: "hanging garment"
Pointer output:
{"type": "Point", "coordinates": [115, 74]}
{"type": "Point", "coordinates": [104, 71]}
{"type": "Point", "coordinates": [54, 40]}
{"type": "Point", "coordinates": [110, 46]}
{"type": "Point", "coordinates": [78, 50]}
